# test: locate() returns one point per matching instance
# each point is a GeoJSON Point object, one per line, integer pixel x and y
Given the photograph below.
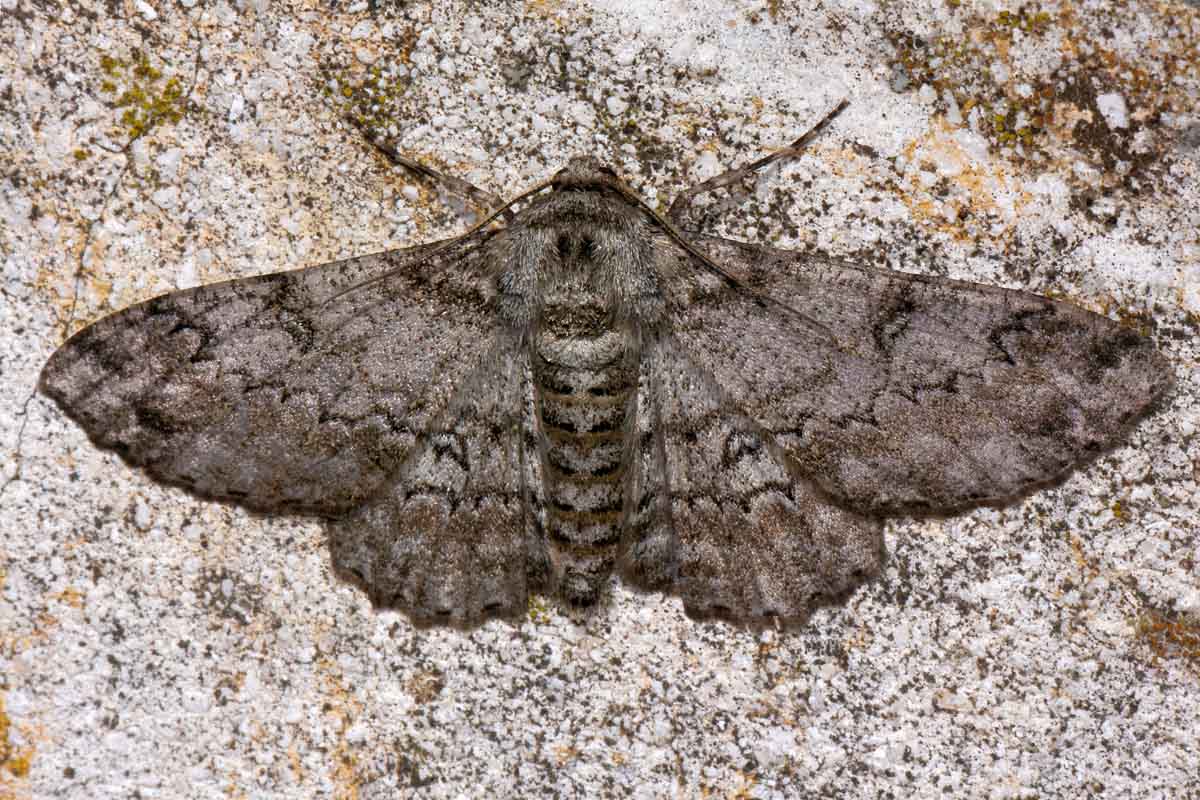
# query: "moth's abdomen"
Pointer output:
{"type": "Point", "coordinates": [585, 386]}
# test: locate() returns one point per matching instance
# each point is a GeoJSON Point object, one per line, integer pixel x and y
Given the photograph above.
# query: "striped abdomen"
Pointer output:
{"type": "Point", "coordinates": [585, 376]}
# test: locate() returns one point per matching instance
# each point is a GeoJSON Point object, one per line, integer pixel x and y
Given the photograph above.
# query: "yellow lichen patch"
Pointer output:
{"type": "Point", "coordinates": [142, 94]}
{"type": "Point", "coordinates": [371, 99]}
{"type": "Point", "coordinates": [539, 612]}
{"type": "Point", "coordinates": [14, 761]}
{"type": "Point", "coordinates": [376, 101]}
{"type": "Point", "coordinates": [1031, 22]}
{"type": "Point", "coordinates": [1004, 115]}
{"type": "Point", "coordinates": [1036, 115]}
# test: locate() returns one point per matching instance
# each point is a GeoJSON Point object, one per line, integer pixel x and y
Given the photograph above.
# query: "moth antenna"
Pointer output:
{"type": "Point", "coordinates": [483, 200]}
{"type": "Point", "coordinates": [734, 175]}
{"type": "Point", "coordinates": [490, 218]}
{"type": "Point", "coordinates": [808, 322]}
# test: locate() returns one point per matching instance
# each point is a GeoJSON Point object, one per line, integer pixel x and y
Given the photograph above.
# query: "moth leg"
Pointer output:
{"type": "Point", "coordinates": [484, 201]}
{"type": "Point", "coordinates": [683, 202]}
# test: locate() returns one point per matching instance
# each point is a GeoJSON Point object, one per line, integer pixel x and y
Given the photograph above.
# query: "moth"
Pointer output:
{"type": "Point", "coordinates": [577, 386]}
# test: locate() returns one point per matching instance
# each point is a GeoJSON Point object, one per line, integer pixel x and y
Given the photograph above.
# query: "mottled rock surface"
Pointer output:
{"type": "Point", "coordinates": [152, 644]}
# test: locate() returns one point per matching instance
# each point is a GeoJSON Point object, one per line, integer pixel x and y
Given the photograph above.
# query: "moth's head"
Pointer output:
{"type": "Point", "coordinates": [585, 172]}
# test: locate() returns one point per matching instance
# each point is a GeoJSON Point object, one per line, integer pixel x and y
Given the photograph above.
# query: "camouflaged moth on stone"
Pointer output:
{"type": "Point", "coordinates": [581, 389]}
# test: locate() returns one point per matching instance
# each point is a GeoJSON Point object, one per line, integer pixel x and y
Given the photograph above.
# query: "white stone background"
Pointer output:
{"type": "Point", "coordinates": [155, 645]}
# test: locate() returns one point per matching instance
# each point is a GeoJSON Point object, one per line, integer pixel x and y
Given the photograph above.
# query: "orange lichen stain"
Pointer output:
{"type": "Point", "coordinates": [63, 289]}
{"type": "Point", "coordinates": [745, 789]}
{"type": "Point", "coordinates": [1086, 565]}
{"type": "Point", "coordinates": [43, 625]}
{"type": "Point", "coordinates": [341, 709]}
{"type": "Point", "coordinates": [70, 596]}
{"type": "Point", "coordinates": [14, 762]}
{"type": "Point", "coordinates": [980, 183]}
{"type": "Point", "coordinates": [1167, 635]}
{"type": "Point", "coordinates": [859, 638]}
{"type": "Point", "coordinates": [565, 753]}
{"type": "Point", "coordinates": [16, 644]}
{"type": "Point", "coordinates": [1170, 636]}
{"type": "Point", "coordinates": [543, 8]}
{"type": "Point", "coordinates": [1132, 318]}
{"type": "Point", "coordinates": [295, 762]}
{"type": "Point", "coordinates": [425, 686]}
{"type": "Point", "coordinates": [71, 237]}
{"type": "Point", "coordinates": [1064, 116]}
{"type": "Point", "coordinates": [345, 773]}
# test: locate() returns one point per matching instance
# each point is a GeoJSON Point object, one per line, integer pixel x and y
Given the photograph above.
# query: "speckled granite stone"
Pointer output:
{"type": "Point", "coordinates": [153, 645]}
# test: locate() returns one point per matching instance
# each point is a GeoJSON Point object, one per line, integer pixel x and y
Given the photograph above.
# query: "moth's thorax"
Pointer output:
{"type": "Point", "coordinates": [579, 252]}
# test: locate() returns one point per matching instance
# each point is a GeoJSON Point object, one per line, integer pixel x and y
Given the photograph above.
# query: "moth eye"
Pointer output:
{"type": "Point", "coordinates": [587, 247]}
{"type": "Point", "coordinates": [563, 245]}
